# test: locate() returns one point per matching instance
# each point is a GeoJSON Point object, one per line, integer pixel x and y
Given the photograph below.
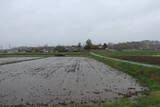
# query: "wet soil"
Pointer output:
{"type": "Point", "coordinates": [63, 80]}
{"type": "Point", "coordinates": [143, 59]}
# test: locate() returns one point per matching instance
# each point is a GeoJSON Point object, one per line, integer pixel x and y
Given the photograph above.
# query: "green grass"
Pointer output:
{"type": "Point", "coordinates": [37, 54]}
{"type": "Point", "coordinates": [40, 55]}
{"type": "Point", "coordinates": [21, 54]}
{"type": "Point", "coordinates": [126, 53]}
{"type": "Point", "coordinates": [109, 53]}
{"type": "Point", "coordinates": [102, 52]}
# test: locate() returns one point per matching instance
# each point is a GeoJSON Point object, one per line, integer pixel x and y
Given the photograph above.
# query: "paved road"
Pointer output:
{"type": "Point", "coordinates": [131, 62]}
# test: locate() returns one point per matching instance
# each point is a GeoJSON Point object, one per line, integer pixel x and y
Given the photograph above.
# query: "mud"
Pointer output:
{"type": "Point", "coordinates": [61, 81]}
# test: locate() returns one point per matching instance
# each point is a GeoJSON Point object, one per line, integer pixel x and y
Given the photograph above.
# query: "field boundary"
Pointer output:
{"type": "Point", "coordinates": [12, 62]}
{"type": "Point", "coordinates": [121, 60]}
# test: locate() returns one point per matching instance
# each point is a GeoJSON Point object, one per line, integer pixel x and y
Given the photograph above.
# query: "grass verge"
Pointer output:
{"type": "Point", "coordinates": [127, 53]}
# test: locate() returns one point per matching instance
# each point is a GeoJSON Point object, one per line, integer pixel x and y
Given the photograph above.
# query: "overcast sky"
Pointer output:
{"type": "Point", "coordinates": [66, 22]}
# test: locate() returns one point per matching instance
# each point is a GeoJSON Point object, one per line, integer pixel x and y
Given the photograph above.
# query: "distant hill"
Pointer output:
{"type": "Point", "coordinates": [140, 45]}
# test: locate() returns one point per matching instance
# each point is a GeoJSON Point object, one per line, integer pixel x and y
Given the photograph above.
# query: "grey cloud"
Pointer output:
{"type": "Point", "coordinates": [38, 22]}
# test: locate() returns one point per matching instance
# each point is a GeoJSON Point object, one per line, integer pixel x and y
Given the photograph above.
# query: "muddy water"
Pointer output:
{"type": "Point", "coordinates": [69, 80]}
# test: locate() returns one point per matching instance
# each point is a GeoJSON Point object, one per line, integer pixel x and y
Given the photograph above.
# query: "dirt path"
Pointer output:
{"type": "Point", "coordinates": [63, 80]}
{"type": "Point", "coordinates": [131, 62]}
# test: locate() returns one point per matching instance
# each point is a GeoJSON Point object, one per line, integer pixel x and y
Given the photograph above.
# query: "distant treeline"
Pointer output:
{"type": "Point", "coordinates": [141, 45]}
{"type": "Point", "coordinates": [89, 45]}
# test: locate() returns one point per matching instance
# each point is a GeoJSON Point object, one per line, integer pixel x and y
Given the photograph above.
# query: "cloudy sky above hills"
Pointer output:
{"type": "Point", "coordinates": [66, 22]}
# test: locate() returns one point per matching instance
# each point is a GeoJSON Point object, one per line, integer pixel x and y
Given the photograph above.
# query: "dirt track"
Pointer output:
{"type": "Point", "coordinates": [66, 80]}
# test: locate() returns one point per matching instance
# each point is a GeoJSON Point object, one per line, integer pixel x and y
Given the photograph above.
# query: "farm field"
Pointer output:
{"type": "Point", "coordinates": [63, 80]}
{"type": "Point", "coordinates": [146, 57]}
{"type": "Point", "coordinates": [142, 59]}
{"type": "Point", "coordinates": [147, 76]}
{"type": "Point", "coordinates": [15, 59]}
{"type": "Point", "coordinates": [127, 53]}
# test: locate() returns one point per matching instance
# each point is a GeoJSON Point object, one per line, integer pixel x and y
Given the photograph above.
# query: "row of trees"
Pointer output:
{"type": "Point", "coordinates": [89, 45]}
{"type": "Point", "coordinates": [140, 45]}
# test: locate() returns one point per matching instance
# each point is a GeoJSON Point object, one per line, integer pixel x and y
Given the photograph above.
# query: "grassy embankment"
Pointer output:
{"type": "Point", "coordinates": [146, 57]}
{"type": "Point", "coordinates": [25, 54]}
{"type": "Point", "coordinates": [37, 55]}
{"type": "Point", "coordinates": [12, 62]}
{"type": "Point", "coordinates": [128, 53]}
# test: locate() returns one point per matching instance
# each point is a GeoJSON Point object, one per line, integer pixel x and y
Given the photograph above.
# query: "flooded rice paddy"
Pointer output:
{"type": "Point", "coordinates": [63, 80]}
{"type": "Point", "coordinates": [12, 59]}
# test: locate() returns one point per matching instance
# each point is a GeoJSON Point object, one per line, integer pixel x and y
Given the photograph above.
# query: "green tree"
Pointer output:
{"type": "Point", "coordinates": [88, 44]}
{"type": "Point", "coordinates": [104, 46]}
